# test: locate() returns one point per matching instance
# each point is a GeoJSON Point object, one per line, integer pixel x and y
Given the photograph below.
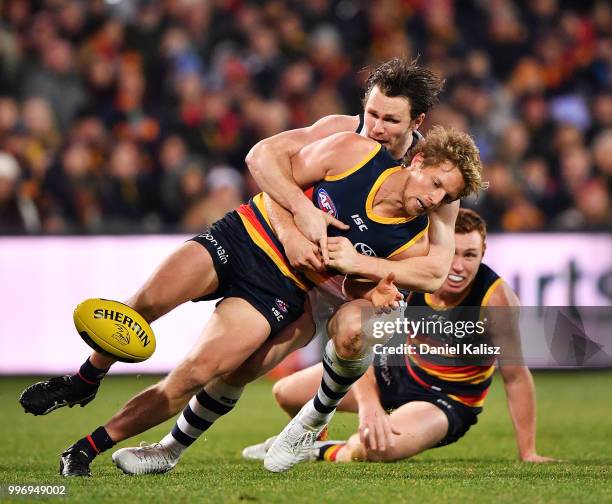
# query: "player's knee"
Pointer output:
{"type": "Point", "coordinates": [348, 332]}
{"type": "Point", "coordinates": [281, 393]}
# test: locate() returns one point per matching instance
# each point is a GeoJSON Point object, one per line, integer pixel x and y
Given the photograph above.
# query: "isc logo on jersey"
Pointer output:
{"type": "Point", "coordinates": [325, 202]}
{"type": "Point", "coordinates": [115, 329]}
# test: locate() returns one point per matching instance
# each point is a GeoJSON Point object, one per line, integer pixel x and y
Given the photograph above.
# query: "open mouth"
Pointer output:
{"type": "Point", "coordinates": [455, 278]}
{"type": "Point", "coordinates": [421, 205]}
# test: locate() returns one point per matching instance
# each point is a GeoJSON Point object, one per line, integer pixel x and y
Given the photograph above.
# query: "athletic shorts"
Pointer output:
{"type": "Point", "coordinates": [397, 388]}
{"type": "Point", "coordinates": [245, 271]}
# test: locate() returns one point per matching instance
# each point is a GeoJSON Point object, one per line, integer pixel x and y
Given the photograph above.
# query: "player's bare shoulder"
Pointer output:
{"type": "Point", "coordinates": [335, 123]}
{"type": "Point", "coordinates": [349, 149]}
{"type": "Point", "coordinates": [502, 296]}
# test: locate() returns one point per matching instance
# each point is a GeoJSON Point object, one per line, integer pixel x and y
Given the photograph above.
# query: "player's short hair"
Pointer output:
{"type": "Point", "coordinates": [401, 77]}
{"type": "Point", "coordinates": [441, 145]}
{"type": "Point", "coordinates": [468, 221]}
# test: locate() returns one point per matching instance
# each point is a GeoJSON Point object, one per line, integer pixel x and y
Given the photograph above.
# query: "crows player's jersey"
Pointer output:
{"type": "Point", "coordinates": [348, 196]}
{"type": "Point", "coordinates": [464, 381]}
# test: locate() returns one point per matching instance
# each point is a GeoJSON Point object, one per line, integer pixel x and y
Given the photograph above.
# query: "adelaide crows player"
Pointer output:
{"type": "Point", "coordinates": [262, 292]}
{"type": "Point", "coordinates": [433, 401]}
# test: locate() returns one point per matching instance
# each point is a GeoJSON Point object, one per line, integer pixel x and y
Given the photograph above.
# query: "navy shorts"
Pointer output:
{"type": "Point", "coordinates": [245, 271]}
{"type": "Point", "coordinates": [397, 388]}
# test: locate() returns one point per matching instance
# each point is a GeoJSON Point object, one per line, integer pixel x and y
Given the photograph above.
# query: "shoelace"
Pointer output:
{"type": "Point", "coordinates": [154, 458]}
{"type": "Point", "coordinates": [307, 438]}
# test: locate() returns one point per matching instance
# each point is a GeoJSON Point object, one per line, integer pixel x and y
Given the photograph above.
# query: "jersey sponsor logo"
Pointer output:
{"type": "Point", "coordinates": [364, 249]}
{"type": "Point", "coordinates": [282, 305]}
{"type": "Point", "coordinates": [221, 252]}
{"type": "Point", "coordinates": [359, 221]}
{"type": "Point", "coordinates": [325, 202]}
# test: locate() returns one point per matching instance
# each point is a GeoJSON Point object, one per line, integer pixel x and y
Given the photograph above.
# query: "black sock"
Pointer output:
{"type": "Point", "coordinates": [94, 444]}
{"type": "Point", "coordinates": [90, 374]}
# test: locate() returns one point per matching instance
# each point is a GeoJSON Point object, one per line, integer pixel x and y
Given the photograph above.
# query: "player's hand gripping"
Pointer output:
{"type": "Point", "coordinates": [342, 255]}
{"type": "Point", "coordinates": [313, 223]}
{"type": "Point", "coordinates": [303, 255]}
{"type": "Point", "coordinates": [385, 296]}
{"type": "Point", "coordinates": [375, 429]}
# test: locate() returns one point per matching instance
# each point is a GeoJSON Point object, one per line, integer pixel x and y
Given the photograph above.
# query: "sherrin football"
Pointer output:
{"type": "Point", "coordinates": [115, 329]}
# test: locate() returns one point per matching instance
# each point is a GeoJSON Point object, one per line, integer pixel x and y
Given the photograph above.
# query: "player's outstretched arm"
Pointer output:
{"type": "Point", "coordinates": [518, 382]}
{"type": "Point", "coordinates": [426, 273]}
{"type": "Point", "coordinates": [375, 429]}
{"type": "Point", "coordinates": [269, 161]}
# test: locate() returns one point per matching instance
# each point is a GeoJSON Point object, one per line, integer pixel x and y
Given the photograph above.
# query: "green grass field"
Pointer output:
{"type": "Point", "coordinates": [574, 424]}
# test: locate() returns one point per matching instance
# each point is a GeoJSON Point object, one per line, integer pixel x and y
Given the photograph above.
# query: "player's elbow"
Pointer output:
{"type": "Point", "coordinates": [254, 157]}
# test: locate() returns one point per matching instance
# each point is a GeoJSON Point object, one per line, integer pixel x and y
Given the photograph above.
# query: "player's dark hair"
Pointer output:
{"type": "Point", "coordinates": [401, 77]}
{"type": "Point", "coordinates": [468, 221]}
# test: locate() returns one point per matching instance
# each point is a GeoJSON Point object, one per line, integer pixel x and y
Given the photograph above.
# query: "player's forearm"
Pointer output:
{"type": "Point", "coordinates": [520, 393]}
{"type": "Point", "coordinates": [366, 391]}
{"type": "Point", "coordinates": [271, 169]}
{"type": "Point", "coordinates": [417, 273]}
{"type": "Point", "coordinates": [281, 220]}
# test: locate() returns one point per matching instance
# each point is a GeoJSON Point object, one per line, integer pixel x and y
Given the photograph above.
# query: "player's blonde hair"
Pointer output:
{"type": "Point", "coordinates": [442, 144]}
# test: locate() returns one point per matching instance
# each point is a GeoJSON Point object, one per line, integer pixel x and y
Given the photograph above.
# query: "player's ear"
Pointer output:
{"type": "Point", "coordinates": [417, 161]}
{"type": "Point", "coordinates": [416, 123]}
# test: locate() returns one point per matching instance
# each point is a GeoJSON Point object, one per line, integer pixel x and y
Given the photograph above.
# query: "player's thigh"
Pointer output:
{"type": "Point", "coordinates": [234, 331]}
{"type": "Point", "coordinates": [297, 389]}
{"type": "Point", "coordinates": [273, 351]}
{"type": "Point", "coordinates": [421, 425]}
{"type": "Point", "coordinates": [186, 274]}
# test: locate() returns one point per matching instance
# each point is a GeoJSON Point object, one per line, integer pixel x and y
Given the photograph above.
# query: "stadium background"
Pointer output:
{"type": "Point", "coordinates": [123, 129]}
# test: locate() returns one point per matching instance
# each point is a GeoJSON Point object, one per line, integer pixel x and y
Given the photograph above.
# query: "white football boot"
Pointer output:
{"type": "Point", "coordinates": [145, 459]}
{"type": "Point", "coordinates": [295, 444]}
{"type": "Point", "coordinates": [258, 451]}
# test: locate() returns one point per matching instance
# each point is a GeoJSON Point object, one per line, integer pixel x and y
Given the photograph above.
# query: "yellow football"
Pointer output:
{"type": "Point", "coordinates": [115, 329]}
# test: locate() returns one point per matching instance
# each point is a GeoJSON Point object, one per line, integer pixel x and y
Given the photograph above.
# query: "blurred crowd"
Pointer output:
{"type": "Point", "coordinates": [125, 116]}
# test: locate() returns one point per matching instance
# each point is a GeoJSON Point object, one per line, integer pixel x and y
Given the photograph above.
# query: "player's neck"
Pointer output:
{"type": "Point", "coordinates": [399, 153]}
{"type": "Point", "coordinates": [389, 199]}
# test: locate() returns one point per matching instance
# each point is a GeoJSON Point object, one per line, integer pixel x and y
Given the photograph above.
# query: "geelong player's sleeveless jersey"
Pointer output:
{"type": "Point", "coordinates": [349, 197]}
{"type": "Point", "coordinates": [462, 380]}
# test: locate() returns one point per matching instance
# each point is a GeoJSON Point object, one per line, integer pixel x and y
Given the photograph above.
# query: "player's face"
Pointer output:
{"type": "Point", "coordinates": [430, 187]}
{"type": "Point", "coordinates": [469, 250]}
{"type": "Point", "coordinates": [387, 120]}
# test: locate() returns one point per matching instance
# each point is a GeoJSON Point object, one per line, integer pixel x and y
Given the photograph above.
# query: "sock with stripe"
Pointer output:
{"type": "Point", "coordinates": [216, 399]}
{"type": "Point", "coordinates": [89, 375]}
{"type": "Point", "coordinates": [329, 452]}
{"type": "Point", "coordinates": [94, 444]}
{"type": "Point", "coordinates": [338, 377]}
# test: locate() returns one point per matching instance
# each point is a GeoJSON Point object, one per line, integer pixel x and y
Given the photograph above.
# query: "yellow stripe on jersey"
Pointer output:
{"type": "Point", "coordinates": [453, 376]}
{"type": "Point", "coordinates": [490, 290]}
{"type": "Point", "coordinates": [467, 402]}
{"type": "Point", "coordinates": [370, 201]}
{"type": "Point", "coordinates": [258, 199]}
{"type": "Point", "coordinates": [410, 243]}
{"type": "Point", "coordinates": [361, 164]}
{"type": "Point", "coordinates": [263, 245]}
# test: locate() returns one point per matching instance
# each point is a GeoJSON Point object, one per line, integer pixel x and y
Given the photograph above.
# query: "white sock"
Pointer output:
{"type": "Point", "coordinates": [338, 377]}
